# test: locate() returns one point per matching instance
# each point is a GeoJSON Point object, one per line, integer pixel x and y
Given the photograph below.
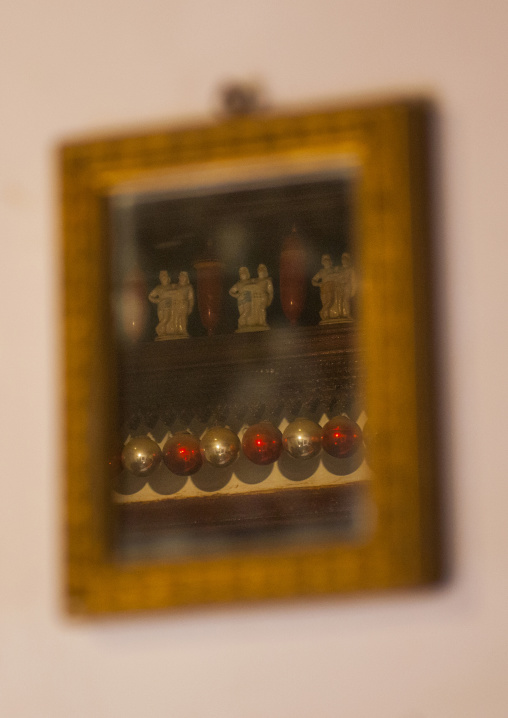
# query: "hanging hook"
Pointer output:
{"type": "Point", "coordinates": [237, 98]}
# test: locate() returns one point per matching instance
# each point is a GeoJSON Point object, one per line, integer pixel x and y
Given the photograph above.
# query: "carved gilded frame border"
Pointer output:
{"type": "Point", "coordinates": [390, 145]}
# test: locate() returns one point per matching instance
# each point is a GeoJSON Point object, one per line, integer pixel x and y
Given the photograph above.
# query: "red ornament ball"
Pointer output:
{"type": "Point", "coordinates": [262, 443]}
{"type": "Point", "coordinates": [182, 454]}
{"type": "Point", "coordinates": [341, 437]}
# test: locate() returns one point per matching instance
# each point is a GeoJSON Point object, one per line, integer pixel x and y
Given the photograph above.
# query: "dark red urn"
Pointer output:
{"type": "Point", "coordinates": [293, 276]}
{"type": "Point", "coordinates": [209, 281]}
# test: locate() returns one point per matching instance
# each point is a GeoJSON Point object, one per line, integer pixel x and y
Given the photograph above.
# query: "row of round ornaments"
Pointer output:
{"type": "Point", "coordinates": [262, 443]}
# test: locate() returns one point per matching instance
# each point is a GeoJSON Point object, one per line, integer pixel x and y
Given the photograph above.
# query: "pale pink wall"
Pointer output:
{"type": "Point", "coordinates": [69, 67]}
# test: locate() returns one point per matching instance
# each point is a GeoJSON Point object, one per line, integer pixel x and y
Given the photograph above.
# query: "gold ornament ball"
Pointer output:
{"type": "Point", "coordinates": [302, 438]}
{"type": "Point", "coordinates": [220, 446]}
{"type": "Point", "coordinates": [141, 456]}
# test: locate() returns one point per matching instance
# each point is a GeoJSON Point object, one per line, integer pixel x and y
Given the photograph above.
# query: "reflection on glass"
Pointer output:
{"type": "Point", "coordinates": [259, 280]}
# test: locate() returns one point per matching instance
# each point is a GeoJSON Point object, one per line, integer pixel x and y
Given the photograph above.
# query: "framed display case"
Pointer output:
{"type": "Point", "coordinates": [249, 396]}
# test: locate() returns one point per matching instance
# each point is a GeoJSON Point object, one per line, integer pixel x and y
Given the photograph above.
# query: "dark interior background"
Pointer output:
{"type": "Point", "coordinates": [240, 226]}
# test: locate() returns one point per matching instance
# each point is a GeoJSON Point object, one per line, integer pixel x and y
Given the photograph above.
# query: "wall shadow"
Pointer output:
{"type": "Point", "coordinates": [342, 467]}
{"type": "Point", "coordinates": [212, 478]}
{"type": "Point", "coordinates": [250, 473]}
{"type": "Point", "coordinates": [165, 482]}
{"type": "Point", "coordinates": [297, 469]}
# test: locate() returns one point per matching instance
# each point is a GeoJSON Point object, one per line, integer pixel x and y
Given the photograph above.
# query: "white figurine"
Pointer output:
{"type": "Point", "coordinates": [174, 304]}
{"type": "Point", "coordinates": [345, 287]}
{"type": "Point", "coordinates": [337, 286]}
{"type": "Point", "coordinates": [253, 295]}
{"type": "Point", "coordinates": [161, 296]}
{"type": "Point", "coordinates": [324, 281]}
{"type": "Point", "coordinates": [243, 296]}
{"type": "Point", "coordinates": [262, 297]}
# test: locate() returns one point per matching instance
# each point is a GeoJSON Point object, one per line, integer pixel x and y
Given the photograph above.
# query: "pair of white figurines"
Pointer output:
{"type": "Point", "coordinates": [254, 295]}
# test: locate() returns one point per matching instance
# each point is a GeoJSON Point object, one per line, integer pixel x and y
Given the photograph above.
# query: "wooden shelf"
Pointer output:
{"type": "Point", "coordinates": [200, 524]}
{"type": "Point", "coordinates": [280, 372]}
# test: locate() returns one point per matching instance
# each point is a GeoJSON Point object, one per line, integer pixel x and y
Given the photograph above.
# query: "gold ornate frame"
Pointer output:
{"type": "Point", "coordinates": [389, 143]}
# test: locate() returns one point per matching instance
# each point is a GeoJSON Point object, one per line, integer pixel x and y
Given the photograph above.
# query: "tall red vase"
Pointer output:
{"type": "Point", "coordinates": [293, 276]}
{"type": "Point", "coordinates": [209, 281]}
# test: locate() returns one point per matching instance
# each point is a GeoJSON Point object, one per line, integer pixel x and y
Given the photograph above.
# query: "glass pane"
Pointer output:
{"type": "Point", "coordinates": [236, 302]}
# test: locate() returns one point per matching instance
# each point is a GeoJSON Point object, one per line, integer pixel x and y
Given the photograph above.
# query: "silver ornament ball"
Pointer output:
{"type": "Point", "coordinates": [141, 456]}
{"type": "Point", "coordinates": [220, 446]}
{"type": "Point", "coordinates": [302, 438]}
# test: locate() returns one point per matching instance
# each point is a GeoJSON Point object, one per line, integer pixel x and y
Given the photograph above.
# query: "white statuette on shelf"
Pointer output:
{"type": "Point", "coordinates": [254, 295]}
{"type": "Point", "coordinates": [174, 304]}
{"type": "Point", "coordinates": [337, 286]}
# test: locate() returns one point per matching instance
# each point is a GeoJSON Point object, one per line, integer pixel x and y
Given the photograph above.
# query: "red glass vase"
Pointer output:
{"type": "Point", "coordinates": [293, 276]}
{"type": "Point", "coordinates": [209, 285]}
{"type": "Point", "coordinates": [133, 307]}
